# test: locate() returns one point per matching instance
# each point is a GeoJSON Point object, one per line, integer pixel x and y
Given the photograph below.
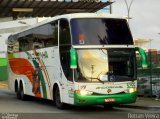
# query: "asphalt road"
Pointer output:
{"type": "Point", "coordinates": [33, 108]}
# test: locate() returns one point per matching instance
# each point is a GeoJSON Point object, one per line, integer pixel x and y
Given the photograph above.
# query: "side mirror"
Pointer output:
{"type": "Point", "coordinates": [73, 59]}
{"type": "Point", "coordinates": [143, 57]}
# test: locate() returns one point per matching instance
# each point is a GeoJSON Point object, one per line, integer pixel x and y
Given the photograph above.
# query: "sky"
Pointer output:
{"type": "Point", "coordinates": [145, 22]}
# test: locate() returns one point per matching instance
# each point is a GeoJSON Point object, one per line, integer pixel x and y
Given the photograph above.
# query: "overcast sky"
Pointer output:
{"type": "Point", "coordinates": [145, 22]}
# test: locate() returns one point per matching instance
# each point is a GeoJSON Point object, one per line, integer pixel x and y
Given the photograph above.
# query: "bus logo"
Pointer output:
{"type": "Point", "coordinates": [109, 91]}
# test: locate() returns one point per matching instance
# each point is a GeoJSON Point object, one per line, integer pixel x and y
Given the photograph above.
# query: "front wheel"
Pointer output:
{"type": "Point", "coordinates": [57, 99]}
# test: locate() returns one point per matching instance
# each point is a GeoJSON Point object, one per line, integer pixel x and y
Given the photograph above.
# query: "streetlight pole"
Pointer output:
{"type": "Point", "coordinates": [110, 7]}
{"type": "Point", "coordinates": [128, 8]}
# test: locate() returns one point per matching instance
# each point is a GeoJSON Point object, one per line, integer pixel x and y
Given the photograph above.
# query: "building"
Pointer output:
{"type": "Point", "coordinates": [143, 43]}
{"type": "Point", "coordinates": [17, 15]}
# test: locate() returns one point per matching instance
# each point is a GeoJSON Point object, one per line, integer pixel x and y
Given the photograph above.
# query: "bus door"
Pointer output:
{"type": "Point", "coordinates": [65, 46]}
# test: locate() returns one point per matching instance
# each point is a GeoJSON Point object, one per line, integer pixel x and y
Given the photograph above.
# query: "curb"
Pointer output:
{"type": "Point", "coordinates": [3, 85]}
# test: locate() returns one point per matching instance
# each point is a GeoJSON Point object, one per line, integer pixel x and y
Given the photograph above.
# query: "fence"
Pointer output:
{"type": "Point", "coordinates": [148, 86]}
{"type": "Point", "coordinates": [149, 78]}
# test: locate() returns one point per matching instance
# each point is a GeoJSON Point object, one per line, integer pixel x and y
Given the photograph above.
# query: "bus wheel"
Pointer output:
{"type": "Point", "coordinates": [57, 99]}
{"type": "Point", "coordinates": [18, 93]}
{"type": "Point", "coordinates": [108, 107]}
{"type": "Point", "coordinates": [21, 91]}
{"type": "Point", "coordinates": [17, 90]}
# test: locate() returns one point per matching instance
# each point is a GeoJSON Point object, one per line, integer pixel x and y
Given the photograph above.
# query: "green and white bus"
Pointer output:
{"type": "Point", "coordinates": [78, 59]}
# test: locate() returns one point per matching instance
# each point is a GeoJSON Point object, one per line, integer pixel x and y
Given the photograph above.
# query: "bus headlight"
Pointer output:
{"type": "Point", "coordinates": [131, 90]}
{"type": "Point", "coordinates": [84, 92]}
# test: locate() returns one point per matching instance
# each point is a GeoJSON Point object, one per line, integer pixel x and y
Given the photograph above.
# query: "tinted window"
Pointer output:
{"type": "Point", "coordinates": [122, 64]}
{"type": "Point", "coordinates": [45, 36]}
{"type": "Point", "coordinates": [100, 31]}
{"type": "Point", "coordinates": [39, 37]}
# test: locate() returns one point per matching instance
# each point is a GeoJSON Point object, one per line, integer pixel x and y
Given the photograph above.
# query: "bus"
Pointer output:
{"type": "Point", "coordinates": [78, 59]}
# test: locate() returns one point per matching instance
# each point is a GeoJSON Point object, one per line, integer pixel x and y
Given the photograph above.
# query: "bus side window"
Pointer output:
{"type": "Point", "coordinates": [37, 43]}
{"type": "Point", "coordinates": [23, 44]}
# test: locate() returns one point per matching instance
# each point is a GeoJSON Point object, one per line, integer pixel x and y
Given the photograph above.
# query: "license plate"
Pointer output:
{"type": "Point", "coordinates": [110, 100]}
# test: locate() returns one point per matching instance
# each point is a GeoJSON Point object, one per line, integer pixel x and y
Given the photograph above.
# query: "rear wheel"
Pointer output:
{"type": "Point", "coordinates": [18, 93]}
{"type": "Point", "coordinates": [17, 90]}
{"type": "Point", "coordinates": [23, 96]}
{"type": "Point", "coordinates": [57, 99]}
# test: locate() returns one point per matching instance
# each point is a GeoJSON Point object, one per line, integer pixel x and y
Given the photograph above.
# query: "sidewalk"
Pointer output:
{"type": "Point", "coordinates": [143, 102]}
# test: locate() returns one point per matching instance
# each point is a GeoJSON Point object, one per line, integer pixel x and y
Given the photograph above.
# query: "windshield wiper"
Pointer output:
{"type": "Point", "coordinates": [98, 78]}
{"type": "Point", "coordinates": [92, 67]}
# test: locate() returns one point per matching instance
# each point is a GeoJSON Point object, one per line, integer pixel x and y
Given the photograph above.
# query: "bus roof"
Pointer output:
{"type": "Point", "coordinates": [71, 16]}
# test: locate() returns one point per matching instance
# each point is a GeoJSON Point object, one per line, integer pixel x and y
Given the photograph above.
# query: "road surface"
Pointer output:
{"type": "Point", "coordinates": [12, 108]}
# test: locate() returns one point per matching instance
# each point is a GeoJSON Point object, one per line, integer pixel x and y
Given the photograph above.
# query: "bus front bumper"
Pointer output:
{"type": "Point", "coordinates": [112, 99]}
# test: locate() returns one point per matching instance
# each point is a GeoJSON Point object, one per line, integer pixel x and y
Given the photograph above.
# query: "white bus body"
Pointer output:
{"type": "Point", "coordinates": [40, 56]}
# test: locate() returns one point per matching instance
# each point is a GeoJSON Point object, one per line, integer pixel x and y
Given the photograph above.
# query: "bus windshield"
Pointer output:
{"type": "Point", "coordinates": [101, 65]}
{"type": "Point", "coordinates": [122, 64]}
{"type": "Point", "coordinates": [100, 31]}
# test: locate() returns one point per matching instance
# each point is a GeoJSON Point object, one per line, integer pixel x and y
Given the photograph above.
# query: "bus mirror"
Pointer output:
{"type": "Point", "coordinates": [73, 58]}
{"type": "Point", "coordinates": [143, 57]}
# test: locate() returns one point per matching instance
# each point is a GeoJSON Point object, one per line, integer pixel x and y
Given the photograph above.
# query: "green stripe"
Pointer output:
{"type": "Point", "coordinates": [46, 70]}
{"type": "Point", "coordinates": [43, 84]}
{"type": "Point", "coordinates": [41, 78]}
